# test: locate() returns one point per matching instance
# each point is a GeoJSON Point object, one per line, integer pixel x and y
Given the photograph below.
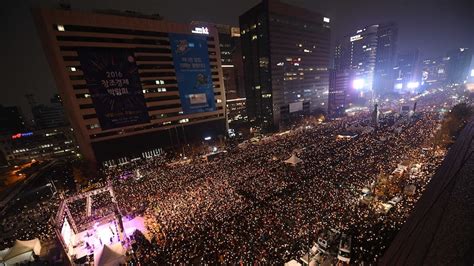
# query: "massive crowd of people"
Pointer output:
{"type": "Point", "coordinates": [29, 215]}
{"type": "Point", "coordinates": [248, 206]}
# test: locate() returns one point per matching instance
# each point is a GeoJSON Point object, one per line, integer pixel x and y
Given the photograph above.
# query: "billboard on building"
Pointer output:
{"type": "Point", "coordinates": [296, 106]}
{"type": "Point", "coordinates": [112, 78]}
{"type": "Point", "coordinates": [193, 72]}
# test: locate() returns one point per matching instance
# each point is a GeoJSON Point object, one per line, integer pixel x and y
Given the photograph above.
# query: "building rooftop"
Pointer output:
{"type": "Point", "coordinates": [440, 230]}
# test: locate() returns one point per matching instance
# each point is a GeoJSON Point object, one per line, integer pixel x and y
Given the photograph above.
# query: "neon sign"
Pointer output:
{"type": "Point", "coordinates": [21, 135]}
{"type": "Point", "coordinates": [201, 30]}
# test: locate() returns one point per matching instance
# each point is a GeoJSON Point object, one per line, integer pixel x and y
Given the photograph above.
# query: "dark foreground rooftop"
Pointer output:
{"type": "Point", "coordinates": [440, 230]}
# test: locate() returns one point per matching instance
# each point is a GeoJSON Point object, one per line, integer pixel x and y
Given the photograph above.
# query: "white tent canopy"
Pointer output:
{"type": "Point", "coordinates": [110, 255]}
{"type": "Point", "coordinates": [293, 263]}
{"type": "Point", "coordinates": [3, 252]}
{"type": "Point", "coordinates": [293, 160]}
{"type": "Point", "coordinates": [22, 251]}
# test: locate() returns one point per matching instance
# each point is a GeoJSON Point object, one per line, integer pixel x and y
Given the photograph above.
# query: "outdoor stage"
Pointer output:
{"type": "Point", "coordinates": [100, 236]}
{"type": "Point", "coordinates": [92, 241]}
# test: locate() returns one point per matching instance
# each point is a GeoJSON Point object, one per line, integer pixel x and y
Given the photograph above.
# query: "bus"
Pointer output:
{"type": "Point", "coordinates": [344, 254]}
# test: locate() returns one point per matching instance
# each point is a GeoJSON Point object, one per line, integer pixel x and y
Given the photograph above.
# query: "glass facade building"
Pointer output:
{"type": "Point", "coordinates": [285, 51]}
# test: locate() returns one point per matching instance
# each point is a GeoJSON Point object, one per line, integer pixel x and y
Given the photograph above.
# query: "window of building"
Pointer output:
{"type": "Point", "coordinates": [92, 126]}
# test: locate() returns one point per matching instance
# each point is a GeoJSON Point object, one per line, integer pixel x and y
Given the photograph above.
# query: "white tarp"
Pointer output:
{"type": "Point", "coordinates": [110, 255]}
{"type": "Point", "coordinates": [20, 259]}
{"type": "Point", "coordinates": [22, 251]}
{"type": "Point", "coordinates": [293, 160]}
{"type": "Point", "coordinates": [3, 253]}
{"type": "Point", "coordinates": [292, 263]}
{"type": "Point", "coordinates": [295, 107]}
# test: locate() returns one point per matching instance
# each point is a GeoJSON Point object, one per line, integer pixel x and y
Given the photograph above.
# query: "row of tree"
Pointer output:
{"type": "Point", "coordinates": [453, 122]}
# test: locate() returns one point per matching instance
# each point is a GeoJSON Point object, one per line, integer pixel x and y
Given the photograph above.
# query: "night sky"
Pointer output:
{"type": "Point", "coordinates": [433, 26]}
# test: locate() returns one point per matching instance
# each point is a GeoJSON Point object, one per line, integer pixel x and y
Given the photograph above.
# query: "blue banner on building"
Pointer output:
{"type": "Point", "coordinates": [112, 78]}
{"type": "Point", "coordinates": [191, 62]}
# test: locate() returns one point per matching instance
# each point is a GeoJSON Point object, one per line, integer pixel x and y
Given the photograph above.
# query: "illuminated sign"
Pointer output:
{"type": "Point", "coordinates": [356, 38]}
{"type": "Point", "coordinates": [21, 135]}
{"type": "Point", "coordinates": [235, 32]}
{"type": "Point", "coordinates": [327, 20]}
{"type": "Point", "coordinates": [413, 85]}
{"type": "Point", "coordinates": [424, 75]}
{"type": "Point", "coordinates": [201, 30]}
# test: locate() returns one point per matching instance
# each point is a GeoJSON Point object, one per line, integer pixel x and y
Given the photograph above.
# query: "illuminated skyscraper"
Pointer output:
{"type": "Point", "coordinates": [459, 65]}
{"type": "Point", "coordinates": [434, 71]}
{"type": "Point", "coordinates": [387, 35]}
{"type": "Point", "coordinates": [231, 58]}
{"type": "Point", "coordinates": [370, 53]}
{"type": "Point", "coordinates": [133, 85]}
{"type": "Point", "coordinates": [364, 63]}
{"type": "Point", "coordinates": [407, 71]}
{"type": "Point", "coordinates": [286, 59]}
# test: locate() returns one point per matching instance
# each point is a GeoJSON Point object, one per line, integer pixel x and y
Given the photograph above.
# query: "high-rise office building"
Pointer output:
{"type": "Point", "coordinates": [51, 115]}
{"type": "Point", "coordinates": [133, 84]}
{"type": "Point", "coordinates": [357, 52]}
{"type": "Point", "coordinates": [338, 82]}
{"type": "Point", "coordinates": [407, 72]}
{"type": "Point", "coordinates": [39, 144]}
{"type": "Point", "coordinates": [232, 72]}
{"type": "Point", "coordinates": [286, 58]}
{"type": "Point", "coordinates": [231, 58]}
{"type": "Point", "coordinates": [434, 71]}
{"type": "Point", "coordinates": [367, 57]}
{"type": "Point", "coordinates": [387, 35]}
{"type": "Point", "coordinates": [458, 68]}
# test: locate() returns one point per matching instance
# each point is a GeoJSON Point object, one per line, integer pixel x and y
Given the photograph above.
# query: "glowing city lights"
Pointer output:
{"type": "Point", "coordinates": [358, 84]}
{"type": "Point", "coordinates": [413, 85]}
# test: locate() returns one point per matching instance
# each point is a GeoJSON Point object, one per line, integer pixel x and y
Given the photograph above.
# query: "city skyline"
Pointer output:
{"type": "Point", "coordinates": [422, 30]}
{"type": "Point", "coordinates": [282, 132]}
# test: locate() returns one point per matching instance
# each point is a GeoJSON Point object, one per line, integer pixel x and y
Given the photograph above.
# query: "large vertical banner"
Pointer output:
{"type": "Point", "coordinates": [112, 78]}
{"type": "Point", "coordinates": [191, 63]}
